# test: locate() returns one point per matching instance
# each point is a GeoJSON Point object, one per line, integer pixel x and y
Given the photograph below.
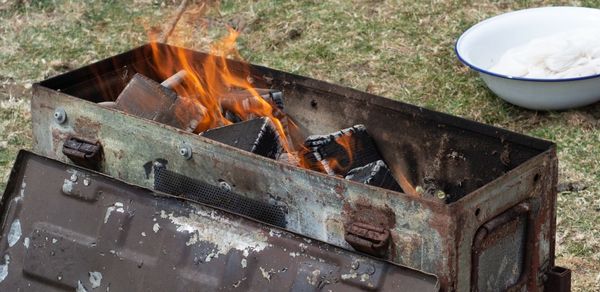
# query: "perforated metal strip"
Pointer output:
{"type": "Point", "coordinates": [179, 185]}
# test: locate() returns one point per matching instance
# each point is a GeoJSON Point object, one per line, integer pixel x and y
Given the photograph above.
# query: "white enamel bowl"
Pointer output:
{"type": "Point", "coordinates": [481, 46]}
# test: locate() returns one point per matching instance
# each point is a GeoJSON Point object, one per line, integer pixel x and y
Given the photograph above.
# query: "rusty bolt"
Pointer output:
{"type": "Point", "coordinates": [60, 115]}
{"type": "Point", "coordinates": [185, 150]}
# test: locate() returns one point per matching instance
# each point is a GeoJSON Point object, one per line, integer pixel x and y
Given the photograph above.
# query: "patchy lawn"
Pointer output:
{"type": "Point", "coordinates": [399, 49]}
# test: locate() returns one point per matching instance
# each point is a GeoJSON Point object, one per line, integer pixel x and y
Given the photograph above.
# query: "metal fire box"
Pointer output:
{"type": "Point", "coordinates": [495, 232]}
{"type": "Point", "coordinates": [69, 228]}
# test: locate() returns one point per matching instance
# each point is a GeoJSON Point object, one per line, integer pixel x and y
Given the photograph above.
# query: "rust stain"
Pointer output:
{"type": "Point", "coordinates": [86, 127]}
{"type": "Point", "coordinates": [58, 138]}
{"type": "Point", "coordinates": [363, 211]}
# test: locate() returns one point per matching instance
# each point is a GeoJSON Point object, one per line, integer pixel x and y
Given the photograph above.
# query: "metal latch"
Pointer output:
{"type": "Point", "coordinates": [83, 152]}
{"type": "Point", "coordinates": [368, 238]}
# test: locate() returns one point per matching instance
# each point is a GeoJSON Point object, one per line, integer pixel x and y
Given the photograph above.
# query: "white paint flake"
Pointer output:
{"type": "Point", "coordinates": [67, 187]}
{"type": "Point", "coordinates": [54, 240]}
{"type": "Point", "coordinates": [80, 287]}
{"type": "Point", "coordinates": [274, 232]}
{"type": "Point", "coordinates": [21, 195]}
{"type": "Point", "coordinates": [95, 279]}
{"type": "Point", "coordinates": [144, 234]}
{"type": "Point", "coordinates": [226, 235]}
{"type": "Point", "coordinates": [313, 279]}
{"type": "Point", "coordinates": [364, 277]}
{"type": "Point", "coordinates": [209, 257]}
{"type": "Point", "coordinates": [266, 274]}
{"type": "Point", "coordinates": [352, 275]}
{"type": "Point", "coordinates": [26, 242]}
{"type": "Point", "coordinates": [116, 207]}
{"type": "Point", "coordinates": [4, 268]}
{"type": "Point", "coordinates": [14, 234]}
{"type": "Point", "coordinates": [156, 227]}
{"type": "Point", "coordinates": [244, 263]}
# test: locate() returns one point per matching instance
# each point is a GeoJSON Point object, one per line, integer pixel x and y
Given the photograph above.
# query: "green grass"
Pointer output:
{"type": "Point", "coordinates": [399, 49]}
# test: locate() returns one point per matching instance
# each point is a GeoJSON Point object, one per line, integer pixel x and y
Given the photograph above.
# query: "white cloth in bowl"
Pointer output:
{"type": "Point", "coordinates": [564, 55]}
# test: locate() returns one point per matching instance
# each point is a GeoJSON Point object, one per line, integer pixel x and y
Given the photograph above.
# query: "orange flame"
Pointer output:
{"type": "Point", "coordinates": [208, 83]}
{"type": "Point", "coordinates": [341, 162]}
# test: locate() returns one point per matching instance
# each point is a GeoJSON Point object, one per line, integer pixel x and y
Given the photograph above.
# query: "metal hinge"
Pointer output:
{"type": "Point", "coordinates": [83, 152]}
{"type": "Point", "coordinates": [367, 238]}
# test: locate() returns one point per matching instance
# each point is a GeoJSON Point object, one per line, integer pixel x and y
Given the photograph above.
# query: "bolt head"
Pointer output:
{"type": "Point", "coordinates": [60, 115]}
{"type": "Point", "coordinates": [185, 150]}
{"type": "Point", "coordinates": [224, 185]}
{"type": "Point", "coordinates": [440, 194]}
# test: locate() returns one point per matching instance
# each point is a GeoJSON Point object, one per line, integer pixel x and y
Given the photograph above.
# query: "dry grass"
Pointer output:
{"type": "Point", "coordinates": [399, 49]}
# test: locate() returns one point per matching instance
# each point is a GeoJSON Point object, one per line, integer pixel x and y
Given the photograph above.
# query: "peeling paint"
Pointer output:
{"type": "Point", "coordinates": [302, 247]}
{"type": "Point", "coordinates": [210, 256]}
{"type": "Point", "coordinates": [14, 234]}
{"type": "Point", "coordinates": [352, 275]}
{"type": "Point", "coordinates": [229, 235]}
{"type": "Point", "coordinates": [313, 279]}
{"type": "Point", "coordinates": [155, 227]}
{"type": "Point", "coordinates": [274, 232]}
{"type": "Point", "coordinates": [244, 263]}
{"type": "Point", "coordinates": [238, 283]}
{"type": "Point", "coordinates": [67, 187]}
{"type": "Point", "coordinates": [26, 242]}
{"type": "Point", "coordinates": [193, 239]}
{"type": "Point", "coordinates": [95, 279]}
{"type": "Point", "coordinates": [266, 274]}
{"type": "Point", "coordinates": [117, 207]}
{"type": "Point", "coordinates": [80, 287]}
{"type": "Point", "coordinates": [21, 195]}
{"type": "Point", "coordinates": [4, 268]}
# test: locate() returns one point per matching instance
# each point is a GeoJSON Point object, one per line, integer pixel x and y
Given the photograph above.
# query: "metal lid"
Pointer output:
{"type": "Point", "coordinates": [64, 227]}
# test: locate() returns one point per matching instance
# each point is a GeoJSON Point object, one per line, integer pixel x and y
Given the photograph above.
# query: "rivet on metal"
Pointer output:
{"type": "Point", "coordinates": [440, 195]}
{"type": "Point", "coordinates": [185, 150]}
{"type": "Point", "coordinates": [60, 115]}
{"type": "Point", "coordinates": [224, 185]}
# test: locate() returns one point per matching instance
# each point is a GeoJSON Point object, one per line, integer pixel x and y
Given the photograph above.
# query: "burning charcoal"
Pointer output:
{"type": "Point", "coordinates": [174, 80]}
{"type": "Point", "coordinates": [258, 136]}
{"type": "Point", "coordinates": [148, 99]}
{"type": "Point", "coordinates": [241, 105]}
{"type": "Point", "coordinates": [275, 97]}
{"type": "Point", "coordinates": [339, 152]}
{"type": "Point", "coordinates": [376, 174]}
